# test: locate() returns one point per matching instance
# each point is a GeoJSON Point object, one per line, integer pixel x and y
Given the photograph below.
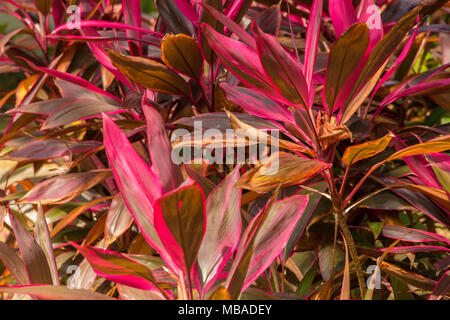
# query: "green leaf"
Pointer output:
{"type": "Point", "coordinates": [376, 228]}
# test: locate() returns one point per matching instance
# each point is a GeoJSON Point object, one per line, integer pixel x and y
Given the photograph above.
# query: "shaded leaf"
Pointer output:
{"type": "Point", "coordinates": [72, 215]}
{"type": "Point", "coordinates": [32, 254]}
{"type": "Point", "coordinates": [269, 20]}
{"type": "Point", "coordinates": [118, 220]}
{"type": "Point", "coordinates": [220, 294]}
{"type": "Point", "coordinates": [14, 264]}
{"type": "Point", "coordinates": [130, 293]}
{"type": "Point", "coordinates": [42, 236]}
{"type": "Point", "coordinates": [442, 287]}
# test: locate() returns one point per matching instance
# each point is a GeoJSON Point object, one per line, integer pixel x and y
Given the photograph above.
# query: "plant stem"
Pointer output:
{"type": "Point", "coordinates": [353, 253]}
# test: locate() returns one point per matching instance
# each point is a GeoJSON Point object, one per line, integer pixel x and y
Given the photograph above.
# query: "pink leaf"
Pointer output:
{"type": "Point", "coordinates": [222, 231]}
{"type": "Point", "coordinates": [256, 103]}
{"type": "Point", "coordinates": [239, 58]}
{"type": "Point", "coordinates": [342, 15]}
{"type": "Point", "coordinates": [412, 235]}
{"type": "Point", "coordinates": [137, 182]}
{"type": "Point", "coordinates": [119, 268]}
{"type": "Point", "coordinates": [312, 39]}
{"type": "Point", "coordinates": [442, 287]}
{"type": "Point", "coordinates": [106, 24]}
{"type": "Point", "coordinates": [264, 238]}
{"type": "Point", "coordinates": [371, 14]}
{"type": "Point", "coordinates": [188, 10]}
{"type": "Point", "coordinates": [160, 149]}
{"type": "Point", "coordinates": [231, 25]}
{"type": "Point", "coordinates": [180, 221]}
{"type": "Point", "coordinates": [419, 165]}
{"type": "Point", "coordinates": [283, 71]}
{"type": "Point", "coordinates": [33, 256]}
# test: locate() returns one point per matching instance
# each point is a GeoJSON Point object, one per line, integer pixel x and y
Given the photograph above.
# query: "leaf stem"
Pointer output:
{"type": "Point", "coordinates": [353, 253]}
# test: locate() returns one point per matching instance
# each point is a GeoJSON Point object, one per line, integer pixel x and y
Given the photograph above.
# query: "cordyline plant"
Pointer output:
{"type": "Point", "coordinates": [94, 205]}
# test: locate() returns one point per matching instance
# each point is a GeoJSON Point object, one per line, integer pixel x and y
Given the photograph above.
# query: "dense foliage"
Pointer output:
{"type": "Point", "coordinates": [101, 98]}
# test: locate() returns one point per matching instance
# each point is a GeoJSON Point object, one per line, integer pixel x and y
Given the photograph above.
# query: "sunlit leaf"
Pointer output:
{"type": "Point", "coordinates": [365, 150]}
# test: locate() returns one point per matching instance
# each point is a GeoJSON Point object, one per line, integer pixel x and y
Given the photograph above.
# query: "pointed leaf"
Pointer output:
{"type": "Point", "coordinates": [342, 15]}
{"type": "Point", "coordinates": [240, 59]}
{"type": "Point", "coordinates": [49, 149]}
{"type": "Point", "coordinates": [284, 72]}
{"type": "Point", "coordinates": [223, 229]}
{"type": "Point", "coordinates": [231, 25]}
{"type": "Point", "coordinates": [256, 103]}
{"type": "Point", "coordinates": [413, 235]}
{"type": "Point", "coordinates": [263, 240]}
{"type": "Point", "coordinates": [442, 287]}
{"type": "Point", "coordinates": [160, 150]}
{"type": "Point", "coordinates": [345, 56]}
{"type": "Point", "coordinates": [180, 220]}
{"type": "Point", "coordinates": [118, 268]}
{"type": "Point", "coordinates": [346, 289]}
{"type": "Point", "coordinates": [63, 188]}
{"type": "Point", "coordinates": [34, 258]}
{"type": "Point", "coordinates": [138, 184]}
{"type": "Point", "coordinates": [42, 236]}
{"type": "Point", "coordinates": [14, 264]}
{"type": "Point", "coordinates": [382, 51]}
{"type": "Point", "coordinates": [312, 40]}
{"type": "Point", "coordinates": [117, 221]}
